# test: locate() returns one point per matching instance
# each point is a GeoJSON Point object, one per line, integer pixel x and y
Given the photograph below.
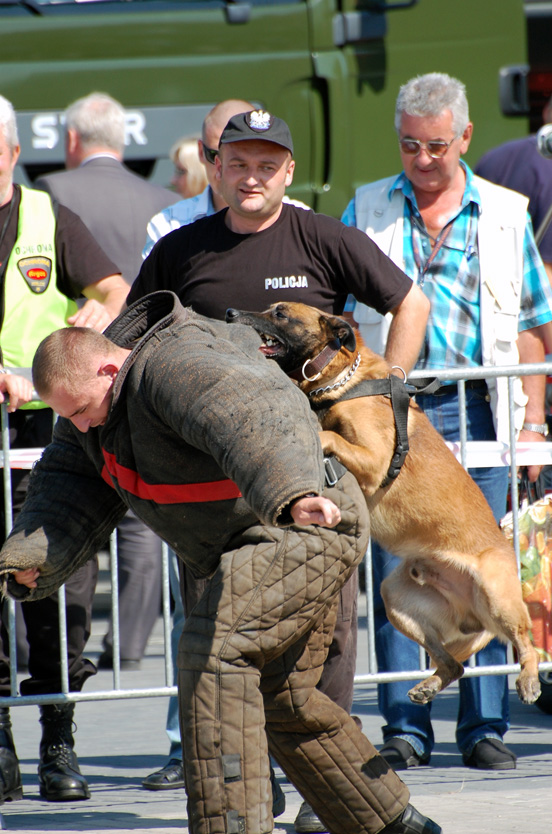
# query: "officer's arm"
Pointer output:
{"type": "Point", "coordinates": [407, 330]}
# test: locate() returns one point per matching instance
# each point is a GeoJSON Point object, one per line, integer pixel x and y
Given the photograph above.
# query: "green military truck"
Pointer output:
{"type": "Point", "coordinates": [538, 71]}
{"type": "Point", "coordinates": [331, 68]}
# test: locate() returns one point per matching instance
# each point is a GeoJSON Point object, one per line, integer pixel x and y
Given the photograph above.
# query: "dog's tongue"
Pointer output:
{"type": "Point", "coordinates": [269, 350]}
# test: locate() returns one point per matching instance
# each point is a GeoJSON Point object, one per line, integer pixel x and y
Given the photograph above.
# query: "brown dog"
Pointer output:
{"type": "Point", "coordinates": [457, 586]}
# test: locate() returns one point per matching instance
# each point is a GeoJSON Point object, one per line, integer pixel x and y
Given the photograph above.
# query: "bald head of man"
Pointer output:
{"type": "Point", "coordinates": [214, 123]}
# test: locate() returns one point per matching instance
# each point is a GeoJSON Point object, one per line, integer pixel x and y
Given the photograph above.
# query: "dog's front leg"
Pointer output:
{"type": "Point", "coordinates": [360, 461]}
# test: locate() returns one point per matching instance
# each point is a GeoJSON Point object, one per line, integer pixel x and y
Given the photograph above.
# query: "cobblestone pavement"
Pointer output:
{"type": "Point", "coordinates": [119, 742]}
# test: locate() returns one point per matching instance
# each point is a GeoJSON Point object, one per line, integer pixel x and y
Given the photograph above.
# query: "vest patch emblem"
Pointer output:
{"type": "Point", "coordinates": [36, 272]}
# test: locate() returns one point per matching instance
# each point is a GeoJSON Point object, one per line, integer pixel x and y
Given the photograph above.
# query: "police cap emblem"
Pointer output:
{"type": "Point", "coordinates": [259, 120]}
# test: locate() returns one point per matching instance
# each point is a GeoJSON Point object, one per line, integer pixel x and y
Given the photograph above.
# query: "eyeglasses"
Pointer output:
{"type": "Point", "coordinates": [209, 153]}
{"type": "Point", "coordinates": [436, 148]}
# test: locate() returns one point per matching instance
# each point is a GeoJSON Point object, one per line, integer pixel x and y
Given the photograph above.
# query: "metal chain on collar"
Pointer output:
{"type": "Point", "coordinates": [343, 381]}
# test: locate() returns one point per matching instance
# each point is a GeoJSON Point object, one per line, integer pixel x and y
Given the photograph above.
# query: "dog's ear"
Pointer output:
{"type": "Point", "coordinates": [343, 331]}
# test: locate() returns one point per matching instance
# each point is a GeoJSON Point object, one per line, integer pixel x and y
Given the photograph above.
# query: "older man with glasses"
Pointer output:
{"type": "Point", "coordinates": [469, 245]}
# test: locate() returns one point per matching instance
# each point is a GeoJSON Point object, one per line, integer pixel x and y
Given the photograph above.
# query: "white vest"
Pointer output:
{"type": "Point", "coordinates": [500, 234]}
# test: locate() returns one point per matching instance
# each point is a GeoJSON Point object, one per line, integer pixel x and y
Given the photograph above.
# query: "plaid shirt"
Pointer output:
{"type": "Point", "coordinates": [451, 281]}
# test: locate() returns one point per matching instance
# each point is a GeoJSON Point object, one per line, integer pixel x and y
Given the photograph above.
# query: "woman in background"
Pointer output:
{"type": "Point", "coordinates": [189, 176]}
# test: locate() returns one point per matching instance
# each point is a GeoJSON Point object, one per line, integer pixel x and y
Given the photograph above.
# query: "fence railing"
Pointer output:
{"type": "Point", "coordinates": [469, 453]}
{"type": "Point", "coordinates": [473, 454]}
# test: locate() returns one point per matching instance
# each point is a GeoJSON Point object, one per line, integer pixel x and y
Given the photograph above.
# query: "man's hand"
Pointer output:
{"type": "Point", "coordinates": [27, 577]}
{"type": "Point", "coordinates": [526, 436]}
{"type": "Point", "coordinates": [314, 509]}
{"type": "Point", "coordinates": [531, 350]}
{"type": "Point", "coordinates": [16, 389]}
{"type": "Point", "coordinates": [106, 299]}
{"type": "Point", "coordinates": [92, 314]}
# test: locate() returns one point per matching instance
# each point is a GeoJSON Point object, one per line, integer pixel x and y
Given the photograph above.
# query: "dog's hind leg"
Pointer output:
{"type": "Point", "coordinates": [508, 612]}
{"type": "Point", "coordinates": [422, 614]}
{"type": "Point", "coordinates": [527, 684]}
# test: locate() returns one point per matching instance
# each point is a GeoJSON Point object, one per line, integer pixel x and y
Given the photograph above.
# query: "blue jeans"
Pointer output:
{"type": "Point", "coordinates": [173, 724]}
{"type": "Point", "coordinates": [483, 709]}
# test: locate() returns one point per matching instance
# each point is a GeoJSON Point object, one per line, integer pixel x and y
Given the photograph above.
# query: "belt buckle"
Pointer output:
{"type": "Point", "coordinates": [331, 475]}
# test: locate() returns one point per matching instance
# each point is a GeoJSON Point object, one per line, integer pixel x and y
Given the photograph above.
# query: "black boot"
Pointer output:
{"type": "Point", "coordinates": [412, 822]}
{"type": "Point", "coordinates": [10, 777]}
{"type": "Point", "coordinates": [58, 771]}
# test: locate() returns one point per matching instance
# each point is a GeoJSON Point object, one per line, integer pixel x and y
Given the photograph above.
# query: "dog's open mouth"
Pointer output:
{"type": "Point", "coordinates": [272, 347]}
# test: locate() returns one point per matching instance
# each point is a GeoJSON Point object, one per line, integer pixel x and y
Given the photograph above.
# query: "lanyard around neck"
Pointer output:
{"type": "Point", "coordinates": [424, 266]}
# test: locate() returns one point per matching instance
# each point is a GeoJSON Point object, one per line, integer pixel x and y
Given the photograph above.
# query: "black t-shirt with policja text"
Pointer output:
{"type": "Point", "coordinates": [303, 256]}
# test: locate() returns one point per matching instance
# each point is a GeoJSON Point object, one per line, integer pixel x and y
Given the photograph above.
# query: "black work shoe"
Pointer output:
{"type": "Point", "coordinates": [400, 754]}
{"type": "Point", "coordinates": [10, 775]}
{"type": "Point", "coordinates": [412, 822]}
{"type": "Point", "coordinates": [169, 777]}
{"type": "Point", "coordinates": [306, 821]}
{"type": "Point", "coordinates": [105, 661]}
{"type": "Point", "coordinates": [490, 754]}
{"type": "Point", "coordinates": [59, 777]}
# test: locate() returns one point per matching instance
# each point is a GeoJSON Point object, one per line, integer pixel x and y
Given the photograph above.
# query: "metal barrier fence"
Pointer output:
{"type": "Point", "coordinates": [471, 454]}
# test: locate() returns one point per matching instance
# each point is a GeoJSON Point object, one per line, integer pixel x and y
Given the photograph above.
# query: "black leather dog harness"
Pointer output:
{"type": "Point", "coordinates": [399, 393]}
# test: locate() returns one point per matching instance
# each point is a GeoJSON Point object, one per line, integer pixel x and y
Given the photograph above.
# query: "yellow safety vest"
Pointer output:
{"type": "Point", "coordinates": [33, 305]}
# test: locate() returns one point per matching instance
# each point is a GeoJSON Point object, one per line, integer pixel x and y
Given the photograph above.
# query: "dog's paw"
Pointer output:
{"type": "Point", "coordinates": [425, 691]}
{"type": "Point", "coordinates": [528, 688]}
{"type": "Point", "coordinates": [327, 441]}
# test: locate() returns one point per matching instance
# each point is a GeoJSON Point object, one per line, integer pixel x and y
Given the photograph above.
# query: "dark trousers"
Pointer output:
{"type": "Point", "coordinates": [139, 572]}
{"type": "Point", "coordinates": [30, 429]}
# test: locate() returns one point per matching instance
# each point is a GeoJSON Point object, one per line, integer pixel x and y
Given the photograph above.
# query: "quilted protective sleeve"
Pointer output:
{"type": "Point", "coordinates": [68, 514]}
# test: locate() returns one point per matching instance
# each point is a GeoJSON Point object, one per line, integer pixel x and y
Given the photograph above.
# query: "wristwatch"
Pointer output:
{"type": "Point", "coordinates": [539, 428]}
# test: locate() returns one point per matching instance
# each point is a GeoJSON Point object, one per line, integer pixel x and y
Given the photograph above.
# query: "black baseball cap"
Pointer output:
{"type": "Point", "coordinates": [257, 124]}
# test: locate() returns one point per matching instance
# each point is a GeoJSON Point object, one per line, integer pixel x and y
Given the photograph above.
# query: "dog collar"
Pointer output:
{"type": "Point", "coordinates": [310, 370]}
{"type": "Point", "coordinates": [340, 382]}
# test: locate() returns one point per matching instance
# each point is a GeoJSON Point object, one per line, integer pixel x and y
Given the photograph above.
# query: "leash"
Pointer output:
{"type": "Point", "coordinates": [399, 391]}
